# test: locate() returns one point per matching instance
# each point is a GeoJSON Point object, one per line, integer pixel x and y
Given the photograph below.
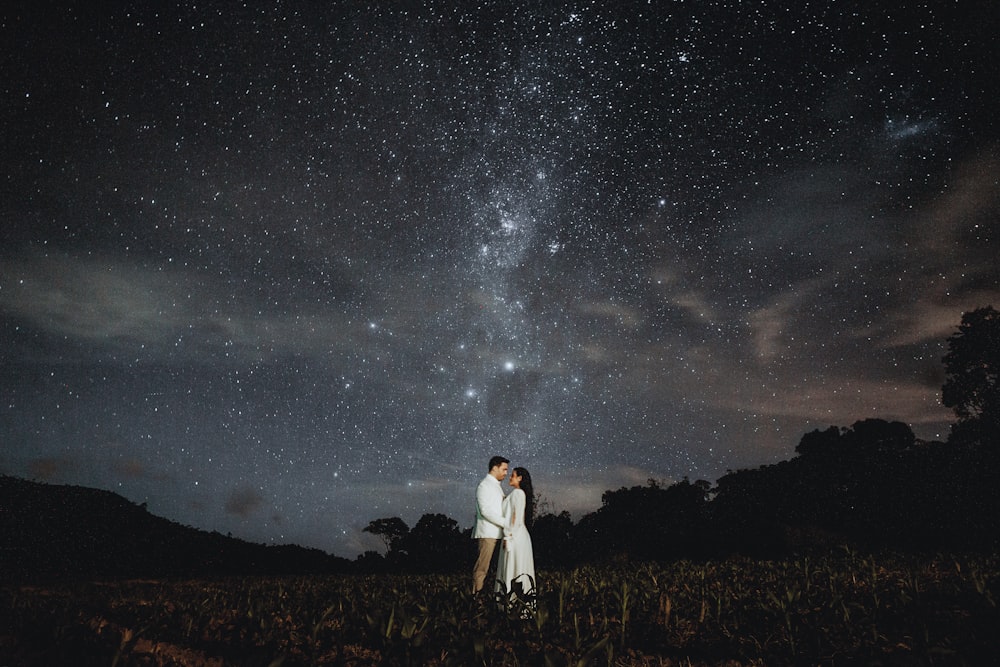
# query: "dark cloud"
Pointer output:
{"type": "Point", "coordinates": [244, 502]}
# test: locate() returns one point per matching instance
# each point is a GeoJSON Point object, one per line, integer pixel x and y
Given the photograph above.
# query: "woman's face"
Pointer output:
{"type": "Point", "coordinates": [515, 480]}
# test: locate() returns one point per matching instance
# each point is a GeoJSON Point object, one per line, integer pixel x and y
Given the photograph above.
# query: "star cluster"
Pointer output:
{"type": "Point", "coordinates": [280, 271]}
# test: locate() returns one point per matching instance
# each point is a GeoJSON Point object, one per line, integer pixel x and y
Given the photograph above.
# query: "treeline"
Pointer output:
{"type": "Point", "coordinates": [872, 485]}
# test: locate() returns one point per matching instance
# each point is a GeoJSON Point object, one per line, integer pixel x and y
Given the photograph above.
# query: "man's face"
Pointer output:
{"type": "Point", "coordinates": [499, 471]}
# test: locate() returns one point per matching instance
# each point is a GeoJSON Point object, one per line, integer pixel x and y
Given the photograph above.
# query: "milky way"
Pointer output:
{"type": "Point", "coordinates": [282, 271]}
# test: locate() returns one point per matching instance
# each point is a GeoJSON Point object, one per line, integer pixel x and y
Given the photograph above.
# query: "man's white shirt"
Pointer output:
{"type": "Point", "coordinates": [489, 509]}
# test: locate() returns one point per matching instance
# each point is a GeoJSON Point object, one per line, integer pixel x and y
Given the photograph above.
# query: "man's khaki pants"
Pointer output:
{"type": "Point", "coordinates": [486, 547]}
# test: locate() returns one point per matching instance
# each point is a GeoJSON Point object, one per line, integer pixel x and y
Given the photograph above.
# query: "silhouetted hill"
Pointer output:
{"type": "Point", "coordinates": [70, 532]}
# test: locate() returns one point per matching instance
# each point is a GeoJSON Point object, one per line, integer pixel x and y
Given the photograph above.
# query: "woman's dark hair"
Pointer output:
{"type": "Point", "coordinates": [529, 493]}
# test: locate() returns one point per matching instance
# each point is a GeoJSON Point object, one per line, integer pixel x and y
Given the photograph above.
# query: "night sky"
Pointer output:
{"type": "Point", "coordinates": [282, 270]}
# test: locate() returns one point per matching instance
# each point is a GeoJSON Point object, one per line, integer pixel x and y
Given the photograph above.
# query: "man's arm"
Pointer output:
{"type": "Point", "coordinates": [490, 501]}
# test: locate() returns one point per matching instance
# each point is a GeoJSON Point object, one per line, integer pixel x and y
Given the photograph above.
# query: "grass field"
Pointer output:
{"type": "Point", "coordinates": [844, 609]}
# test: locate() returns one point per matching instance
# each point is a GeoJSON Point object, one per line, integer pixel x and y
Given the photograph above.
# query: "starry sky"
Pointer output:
{"type": "Point", "coordinates": [280, 269]}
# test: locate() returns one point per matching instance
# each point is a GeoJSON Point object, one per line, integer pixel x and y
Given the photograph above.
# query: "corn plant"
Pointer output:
{"type": "Point", "coordinates": [866, 608]}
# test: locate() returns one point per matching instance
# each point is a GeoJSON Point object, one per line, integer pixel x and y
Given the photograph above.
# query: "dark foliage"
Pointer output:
{"type": "Point", "coordinates": [872, 485]}
{"type": "Point", "coordinates": [972, 387]}
{"type": "Point", "coordinates": [552, 539]}
{"type": "Point", "coordinates": [390, 530]}
{"type": "Point", "coordinates": [647, 522]}
{"type": "Point", "coordinates": [436, 545]}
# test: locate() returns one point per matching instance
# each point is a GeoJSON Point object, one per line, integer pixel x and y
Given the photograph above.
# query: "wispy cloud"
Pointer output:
{"type": "Point", "coordinates": [771, 325]}
{"type": "Point", "coordinates": [166, 311]}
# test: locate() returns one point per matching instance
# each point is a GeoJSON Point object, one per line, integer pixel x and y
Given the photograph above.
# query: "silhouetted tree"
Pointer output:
{"type": "Point", "coordinates": [371, 562]}
{"type": "Point", "coordinates": [884, 435]}
{"type": "Point", "coordinates": [745, 511]}
{"type": "Point", "coordinates": [436, 545]}
{"type": "Point", "coordinates": [972, 387]}
{"type": "Point", "coordinates": [753, 510]}
{"type": "Point", "coordinates": [847, 484]}
{"type": "Point", "coordinates": [856, 481]}
{"type": "Point", "coordinates": [552, 540]}
{"type": "Point", "coordinates": [863, 437]}
{"type": "Point", "coordinates": [819, 443]}
{"type": "Point", "coordinates": [391, 530]}
{"type": "Point", "coordinates": [646, 522]}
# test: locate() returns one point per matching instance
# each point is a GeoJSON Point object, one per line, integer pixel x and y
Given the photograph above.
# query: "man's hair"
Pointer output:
{"type": "Point", "coordinates": [495, 461]}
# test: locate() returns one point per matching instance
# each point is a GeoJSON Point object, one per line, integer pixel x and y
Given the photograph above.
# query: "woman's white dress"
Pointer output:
{"type": "Point", "coordinates": [516, 566]}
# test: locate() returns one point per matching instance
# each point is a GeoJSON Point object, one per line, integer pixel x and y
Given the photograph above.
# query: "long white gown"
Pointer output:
{"type": "Point", "coordinates": [516, 565]}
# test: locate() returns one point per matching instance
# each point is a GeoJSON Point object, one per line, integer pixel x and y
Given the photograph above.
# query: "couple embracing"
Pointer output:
{"type": "Point", "coordinates": [506, 520]}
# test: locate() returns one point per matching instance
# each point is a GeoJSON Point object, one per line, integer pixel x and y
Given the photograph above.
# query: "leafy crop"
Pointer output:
{"type": "Point", "coordinates": [843, 609]}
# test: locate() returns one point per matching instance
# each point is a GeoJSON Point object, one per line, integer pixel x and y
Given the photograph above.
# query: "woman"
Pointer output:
{"type": "Point", "coordinates": [516, 567]}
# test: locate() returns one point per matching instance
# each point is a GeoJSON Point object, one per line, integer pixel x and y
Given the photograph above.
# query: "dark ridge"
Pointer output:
{"type": "Point", "coordinates": [61, 532]}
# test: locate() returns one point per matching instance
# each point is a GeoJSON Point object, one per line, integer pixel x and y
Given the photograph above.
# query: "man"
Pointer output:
{"type": "Point", "coordinates": [489, 519]}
